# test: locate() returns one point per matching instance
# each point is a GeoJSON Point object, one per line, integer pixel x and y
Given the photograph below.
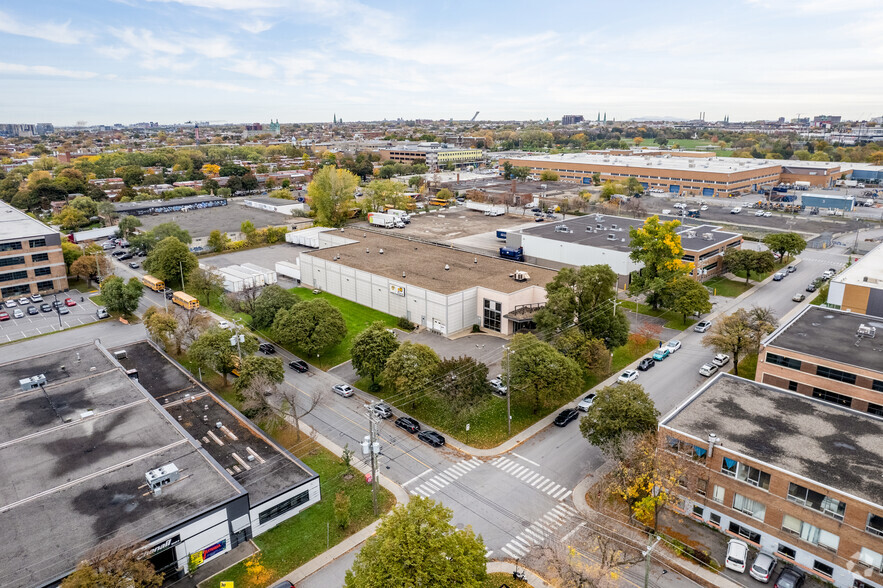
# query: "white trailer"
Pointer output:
{"type": "Point", "coordinates": [487, 208]}
{"type": "Point", "coordinates": [247, 279]}
{"type": "Point", "coordinates": [306, 237]}
{"type": "Point", "coordinates": [232, 283]}
{"type": "Point", "coordinates": [270, 276]}
{"type": "Point", "coordinates": [380, 219]}
{"type": "Point", "coordinates": [257, 276]}
{"type": "Point", "coordinates": [288, 270]}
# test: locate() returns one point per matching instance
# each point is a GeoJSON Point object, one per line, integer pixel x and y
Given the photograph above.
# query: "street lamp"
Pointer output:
{"type": "Point", "coordinates": [57, 310]}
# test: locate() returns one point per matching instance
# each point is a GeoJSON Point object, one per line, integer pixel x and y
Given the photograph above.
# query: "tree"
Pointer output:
{"type": "Point", "coordinates": [444, 194]}
{"type": "Point", "coordinates": [169, 260]}
{"type": "Point", "coordinates": [164, 230]}
{"type": "Point", "coordinates": [538, 373]}
{"type": "Point", "coordinates": [520, 172]}
{"type": "Point", "coordinates": [271, 300]}
{"type": "Point", "coordinates": [596, 178]}
{"type": "Point", "coordinates": [311, 325]}
{"type": "Point", "coordinates": [382, 192]}
{"type": "Point", "coordinates": [417, 545]}
{"type": "Point", "coordinates": [620, 412]}
{"type": "Point", "coordinates": [206, 282]}
{"type": "Point", "coordinates": [785, 243]}
{"type": "Point", "coordinates": [160, 324]}
{"type": "Point", "coordinates": [247, 229]}
{"type": "Point", "coordinates": [85, 205]}
{"type": "Point", "coordinates": [762, 321]}
{"type": "Point", "coordinates": [590, 354]}
{"type": "Point", "coordinates": [190, 326]}
{"type": "Point", "coordinates": [121, 296]}
{"type": "Point", "coordinates": [749, 261]}
{"type": "Point", "coordinates": [582, 296]}
{"type": "Point", "coordinates": [633, 186]}
{"type": "Point", "coordinates": [127, 225]}
{"type": "Point", "coordinates": [331, 195]}
{"type": "Point", "coordinates": [658, 247]}
{"type": "Point", "coordinates": [548, 176]}
{"type": "Point", "coordinates": [132, 175]}
{"type": "Point", "coordinates": [218, 240]}
{"type": "Point", "coordinates": [462, 383]}
{"type": "Point", "coordinates": [342, 509]}
{"type": "Point", "coordinates": [71, 252]}
{"type": "Point", "coordinates": [70, 218]}
{"type": "Point", "coordinates": [213, 349]}
{"type": "Point", "coordinates": [121, 567]}
{"type": "Point", "coordinates": [685, 295]}
{"type": "Point", "coordinates": [90, 266]}
{"type": "Point", "coordinates": [733, 334]}
{"type": "Point", "coordinates": [371, 349]}
{"type": "Point", "coordinates": [255, 366]}
{"type": "Point", "coordinates": [258, 404]}
{"type": "Point", "coordinates": [410, 369]}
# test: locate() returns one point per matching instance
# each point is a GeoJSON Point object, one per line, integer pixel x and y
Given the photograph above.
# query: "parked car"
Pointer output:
{"type": "Point", "coordinates": [11, 304]}
{"type": "Point", "coordinates": [17, 313]}
{"type": "Point", "coordinates": [408, 424]}
{"type": "Point", "coordinates": [431, 437]}
{"type": "Point", "coordinates": [758, 213]}
{"type": "Point", "coordinates": [36, 298]}
{"type": "Point", "coordinates": [790, 577]}
{"type": "Point", "coordinates": [4, 316]}
{"type": "Point", "coordinates": [63, 310]}
{"type": "Point", "coordinates": [768, 214]}
{"type": "Point", "coordinates": [382, 410]}
{"type": "Point", "coordinates": [646, 364]}
{"type": "Point", "coordinates": [299, 365]}
{"type": "Point", "coordinates": [586, 403]}
{"type": "Point", "coordinates": [811, 287]}
{"type": "Point", "coordinates": [344, 390]}
{"type": "Point", "coordinates": [798, 297]}
{"type": "Point", "coordinates": [779, 276]}
{"type": "Point", "coordinates": [267, 348]}
{"type": "Point", "coordinates": [102, 313]}
{"type": "Point", "coordinates": [134, 265]}
{"type": "Point", "coordinates": [704, 207]}
{"type": "Point", "coordinates": [737, 555]}
{"type": "Point", "coordinates": [24, 301]}
{"type": "Point", "coordinates": [720, 359]}
{"type": "Point", "coordinates": [673, 346]}
{"type": "Point", "coordinates": [790, 269]}
{"type": "Point", "coordinates": [125, 256]}
{"type": "Point", "coordinates": [46, 307]}
{"type": "Point", "coordinates": [763, 567]}
{"type": "Point", "coordinates": [283, 584]}
{"type": "Point", "coordinates": [57, 303]}
{"type": "Point", "coordinates": [33, 310]}
{"type": "Point", "coordinates": [69, 302]}
{"type": "Point", "coordinates": [707, 370]}
{"type": "Point", "coordinates": [661, 353]}
{"type": "Point", "coordinates": [499, 388]}
{"type": "Point", "coordinates": [702, 326]}
{"type": "Point", "coordinates": [565, 416]}
{"type": "Point", "coordinates": [627, 376]}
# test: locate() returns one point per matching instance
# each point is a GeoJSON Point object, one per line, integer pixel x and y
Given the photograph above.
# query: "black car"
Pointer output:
{"type": "Point", "coordinates": [408, 424]}
{"type": "Point", "coordinates": [125, 256]}
{"type": "Point", "coordinates": [46, 307]}
{"type": "Point", "coordinates": [169, 293]}
{"type": "Point", "coordinates": [565, 416]}
{"type": "Point", "coordinates": [811, 287]}
{"type": "Point", "coordinates": [32, 310]}
{"type": "Point", "coordinates": [299, 365]}
{"type": "Point", "coordinates": [266, 348]}
{"type": "Point", "coordinates": [431, 437]}
{"type": "Point", "coordinates": [790, 578]}
{"type": "Point", "coordinates": [646, 364]}
{"type": "Point", "coordinates": [118, 253]}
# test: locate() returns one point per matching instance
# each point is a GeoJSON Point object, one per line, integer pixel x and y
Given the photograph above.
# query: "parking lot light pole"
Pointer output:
{"type": "Point", "coordinates": [57, 310]}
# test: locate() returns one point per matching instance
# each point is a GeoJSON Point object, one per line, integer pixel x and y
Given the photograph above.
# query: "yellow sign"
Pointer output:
{"type": "Point", "coordinates": [397, 290]}
{"type": "Point", "coordinates": [226, 584]}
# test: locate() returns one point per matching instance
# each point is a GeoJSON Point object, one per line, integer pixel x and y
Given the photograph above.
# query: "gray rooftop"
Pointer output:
{"type": "Point", "coordinates": [612, 232]}
{"type": "Point", "coordinates": [127, 206]}
{"type": "Point", "coordinates": [832, 334]}
{"type": "Point", "coordinates": [72, 462]}
{"type": "Point", "coordinates": [15, 224]}
{"type": "Point", "coordinates": [819, 441]}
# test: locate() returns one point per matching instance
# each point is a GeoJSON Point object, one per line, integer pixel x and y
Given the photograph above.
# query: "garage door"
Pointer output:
{"type": "Point", "coordinates": [674, 188]}
{"type": "Point", "coordinates": [708, 191]}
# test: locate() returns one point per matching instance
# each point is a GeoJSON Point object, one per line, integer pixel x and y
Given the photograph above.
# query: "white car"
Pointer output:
{"type": "Point", "coordinates": [10, 304]}
{"type": "Point", "coordinates": [708, 370]}
{"type": "Point", "coordinates": [628, 376]}
{"type": "Point", "coordinates": [344, 390]}
{"type": "Point", "coordinates": [673, 346]}
{"type": "Point", "coordinates": [768, 213]}
{"type": "Point", "coordinates": [224, 324]}
{"type": "Point", "coordinates": [758, 213]}
{"type": "Point", "coordinates": [36, 298]}
{"type": "Point", "coordinates": [703, 207]}
{"type": "Point", "coordinates": [24, 301]}
{"type": "Point", "coordinates": [737, 555]}
{"type": "Point", "coordinates": [666, 211]}
{"type": "Point", "coordinates": [586, 403]}
{"type": "Point", "coordinates": [736, 210]}
{"type": "Point", "coordinates": [720, 359]}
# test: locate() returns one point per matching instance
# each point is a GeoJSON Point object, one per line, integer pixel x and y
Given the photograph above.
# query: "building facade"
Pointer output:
{"type": "Point", "coordinates": [859, 288]}
{"type": "Point", "coordinates": [31, 260]}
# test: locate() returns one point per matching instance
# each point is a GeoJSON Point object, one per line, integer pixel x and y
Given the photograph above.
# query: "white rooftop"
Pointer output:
{"type": "Point", "coordinates": [15, 224]}
{"type": "Point", "coordinates": [867, 271]}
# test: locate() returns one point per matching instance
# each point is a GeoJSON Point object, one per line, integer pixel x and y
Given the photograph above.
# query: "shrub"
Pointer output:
{"type": "Point", "coordinates": [405, 325]}
{"type": "Point", "coordinates": [342, 509]}
{"type": "Point", "coordinates": [476, 329]}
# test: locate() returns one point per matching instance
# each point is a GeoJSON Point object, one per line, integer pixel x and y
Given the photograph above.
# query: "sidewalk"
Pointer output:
{"type": "Point", "coordinates": [506, 567]}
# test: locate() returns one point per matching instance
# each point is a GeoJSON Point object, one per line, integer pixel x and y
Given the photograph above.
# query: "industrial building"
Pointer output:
{"type": "Point", "coordinates": [165, 206]}
{"type": "Point", "coordinates": [684, 176]}
{"type": "Point", "coordinates": [832, 355]}
{"type": "Point", "coordinates": [279, 205]}
{"type": "Point", "coordinates": [101, 449]}
{"type": "Point", "coordinates": [832, 201]}
{"type": "Point", "coordinates": [442, 289]}
{"type": "Point", "coordinates": [859, 288]}
{"type": "Point", "coordinates": [597, 239]}
{"type": "Point", "coordinates": [436, 155]}
{"type": "Point", "coordinates": [787, 473]}
{"type": "Point", "coordinates": [31, 260]}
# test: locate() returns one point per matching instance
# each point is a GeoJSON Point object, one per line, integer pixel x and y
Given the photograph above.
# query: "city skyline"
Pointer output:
{"type": "Point", "coordinates": [128, 61]}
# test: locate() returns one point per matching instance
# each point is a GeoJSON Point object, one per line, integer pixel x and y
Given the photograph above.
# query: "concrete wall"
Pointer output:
{"type": "Point", "coordinates": [541, 250]}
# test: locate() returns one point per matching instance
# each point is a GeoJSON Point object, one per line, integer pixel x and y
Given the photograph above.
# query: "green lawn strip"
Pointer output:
{"type": "Point", "coordinates": [747, 366]}
{"type": "Point", "coordinates": [628, 353]}
{"type": "Point", "coordinates": [673, 319]}
{"type": "Point", "coordinates": [498, 579]}
{"type": "Point", "coordinates": [721, 286]}
{"type": "Point", "coordinates": [759, 277]}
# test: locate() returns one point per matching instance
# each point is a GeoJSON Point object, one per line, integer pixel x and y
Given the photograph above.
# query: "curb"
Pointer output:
{"type": "Point", "coordinates": [506, 567]}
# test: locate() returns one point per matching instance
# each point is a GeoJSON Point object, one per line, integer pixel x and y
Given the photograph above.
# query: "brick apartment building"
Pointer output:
{"type": "Point", "coordinates": [31, 260]}
{"type": "Point", "coordinates": [833, 355]}
{"type": "Point", "coordinates": [784, 472]}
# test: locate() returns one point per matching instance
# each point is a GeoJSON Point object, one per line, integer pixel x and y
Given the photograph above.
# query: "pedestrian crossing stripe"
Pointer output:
{"type": "Point", "coordinates": [446, 477]}
{"type": "Point", "coordinates": [528, 476]}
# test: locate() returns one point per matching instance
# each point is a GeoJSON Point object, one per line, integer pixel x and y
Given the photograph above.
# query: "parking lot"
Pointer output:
{"type": "Point", "coordinates": [47, 322]}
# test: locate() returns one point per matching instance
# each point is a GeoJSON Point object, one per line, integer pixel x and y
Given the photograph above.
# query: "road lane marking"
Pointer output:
{"type": "Point", "coordinates": [525, 459]}
{"type": "Point", "coordinates": [417, 477]}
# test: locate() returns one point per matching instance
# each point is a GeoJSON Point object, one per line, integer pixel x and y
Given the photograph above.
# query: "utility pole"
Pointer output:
{"type": "Point", "coordinates": [508, 396]}
{"type": "Point", "coordinates": [371, 446]}
{"type": "Point", "coordinates": [181, 267]}
{"type": "Point", "coordinates": [616, 301]}
{"type": "Point", "coordinates": [646, 555]}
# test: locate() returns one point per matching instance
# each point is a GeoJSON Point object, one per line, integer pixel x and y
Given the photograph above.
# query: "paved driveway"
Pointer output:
{"type": "Point", "coordinates": [47, 322]}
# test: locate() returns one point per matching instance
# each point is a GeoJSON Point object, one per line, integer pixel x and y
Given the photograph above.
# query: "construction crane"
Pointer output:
{"type": "Point", "coordinates": [474, 116]}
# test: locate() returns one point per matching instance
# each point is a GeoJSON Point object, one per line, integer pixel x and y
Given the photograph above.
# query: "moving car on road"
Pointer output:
{"type": "Point", "coordinates": [661, 353]}
{"type": "Point", "coordinates": [798, 297]}
{"type": "Point", "coordinates": [299, 365]}
{"type": "Point", "coordinates": [408, 424]}
{"type": "Point", "coordinates": [586, 403]}
{"type": "Point", "coordinates": [381, 410]}
{"type": "Point", "coordinates": [431, 437]}
{"type": "Point", "coordinates": [344, 390]}
{"type": "Point", "coordinates": [267, 348]}
{"type": "Point", "coordinates": [737, 555]}
{"type": "Point", "coordinates": [627, 376]}
{"type": "Point", "coordinates": [702, 326]}
{"type": "Point", "coordinates": [565, 416]}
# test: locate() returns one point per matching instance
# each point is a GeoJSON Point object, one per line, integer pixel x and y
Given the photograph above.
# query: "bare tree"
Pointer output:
{"type": "Point", "coordinates": [190, 325]}
{"type": "Point", "coordinates": [263, 398]}
{"type": "Point", "coordinates": [244, 300]}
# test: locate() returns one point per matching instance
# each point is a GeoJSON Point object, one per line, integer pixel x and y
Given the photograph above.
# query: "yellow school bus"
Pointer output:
{"type": "Point", "coordinates": [439, 202]}
{"type": "Point", "coordinates": [185, 300]}
{"type": "Point", "coordinates": [154, 284]}
{"type": "Point", "coordinates": [234, 359]}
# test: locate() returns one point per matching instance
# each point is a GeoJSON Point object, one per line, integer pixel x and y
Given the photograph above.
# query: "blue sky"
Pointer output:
{"type": "Point", "coordinates": [305, 60]}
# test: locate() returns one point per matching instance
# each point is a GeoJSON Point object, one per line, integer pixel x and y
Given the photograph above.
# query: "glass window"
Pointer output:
{"type": "Point", "coordinates": [750, 507]}
{"type": "Point", "coordinates": [14, 246]}
{"type": "Point", "coordinates": [9, 276]}
{"type": "Point", "coordinates": [787, 362]}
{"type": "Point", "coordinates": [792, 386]}
{"type": "Point", "coordinates": [47, 285]}
{"type": "Point", "coordinates": [283, 507]}
{"type": "Point", "coordinates": [42, 271]}
{"type": "Point", "coordinates": [729, 467]}
{"type": "Point", "coordinates": [788, 552]}
{"type": "Point", "coordinates": [816, 501]}
{"type": "Point", "coordinates": [18, 290]}
{"type": "Point", "coordinates": [875, 409]}
{"type": "Point", "coordinates": [831, 397]}
{"type": "Point", "coordinates": [833, 374]}
{"type": "Point", "coordinates": [877, 386]}
{"type": "Point", "coordinates": [701, 486]}
{"type": "Point", "coordinates": [718, 495]}
{"type": "Point", "coordinates": [872, 559]}
{"type": "Point", "coordinates": [875, 525]}
{"type": "Point", "coordinates": [15, 260]}
{"type": "Point", "coordinates": [37, 243]}
{"type": "Point", "coordinates": [492, 315]}
{"type": "Point", "coordinates": [698, 510]}
{"type": "Point", "coordinates": [37, 257]}
{"type": "Point", "coordinates": [714, 519]}
{"type": "Point", "coordinates": [810, 533]}
{"type": "Point", "coordinates": [823, 568]}
{"type": "Point", "coordinates": [746, 473]}
{"type": "Point", "coordinates": [738, 529]}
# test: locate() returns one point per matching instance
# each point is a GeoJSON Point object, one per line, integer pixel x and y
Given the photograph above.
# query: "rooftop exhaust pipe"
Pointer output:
{"type": "Point", "coordinates": [712, 441]}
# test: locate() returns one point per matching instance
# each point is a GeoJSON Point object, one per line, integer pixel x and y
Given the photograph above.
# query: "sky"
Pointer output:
{"type": "Point", "coordinates": [127, 61]}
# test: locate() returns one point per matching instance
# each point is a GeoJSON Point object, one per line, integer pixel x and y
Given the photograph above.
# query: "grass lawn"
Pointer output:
{"type": "Point", "coordinates": [726, 287]}
{"type": "Point", "coordinates": [97, 299]}
{"type": "Point", "coordinates": [747, 366]}
{"type": "Point", "coordinates": [502, 578]}
{"type": "Point", "coordinates": [487, 422]}
{"type": "Point", "coordinates": [759, 277]}
{"type": "Point", "coordinates": [673, 319]}
{"type": "Point", "coordinates": [301, 538]}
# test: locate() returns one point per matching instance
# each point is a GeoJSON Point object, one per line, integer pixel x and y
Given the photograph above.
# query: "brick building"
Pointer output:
{"type": "Point", "coordinates": [784, 472]}
{"type": "Point", "coordinates": [31, 260]}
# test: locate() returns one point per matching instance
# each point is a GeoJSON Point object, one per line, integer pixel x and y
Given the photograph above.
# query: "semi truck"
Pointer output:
{"type": "Point", "coordinates": [513, 254]}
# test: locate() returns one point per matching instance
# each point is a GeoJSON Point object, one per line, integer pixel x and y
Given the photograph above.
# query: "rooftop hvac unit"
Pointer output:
{"type": "Point", "coordinates": [866, 331]}
{"type": "Point", "coordinates": [32, 383]}
{"type": "Point", "coordinates": [588, 229]}
{"type": "Point", "coordinates": [613, 227]}
{"type": "Point", "coordinates": [690, 234]}
{"type": "Point", "coordinates": [162, 476]}
{"type": "Point", "coordinates": [561, 229]}
{"type": "Point", "coordinates": [611, 237]}
{"type": "Point", "coordinates": [708, 236]}
{"type": "Point", "coordinates": [520, 276]}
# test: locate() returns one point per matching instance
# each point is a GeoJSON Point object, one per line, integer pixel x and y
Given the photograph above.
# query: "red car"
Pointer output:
{"type": "Point", "coordinates": [4, 316]}
{"type": "Point", "coordinates": [69, 302]}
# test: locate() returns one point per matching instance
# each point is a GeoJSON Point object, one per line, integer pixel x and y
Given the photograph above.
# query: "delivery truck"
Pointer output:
{"type": "Point", "coordinates": [381, 219]}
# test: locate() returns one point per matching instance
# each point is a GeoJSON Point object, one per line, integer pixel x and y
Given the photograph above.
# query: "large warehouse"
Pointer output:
{"type": "Point", "coordinates": [440, 288]}
{"type": "Point", "coordinates": [101, 449]}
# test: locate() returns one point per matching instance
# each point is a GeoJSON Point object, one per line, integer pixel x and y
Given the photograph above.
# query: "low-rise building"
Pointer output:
{"type": "Point", "coordinates": [859, 288]}
{"type": "Point", "coordinates": [784, 472]}
{"type": "Point", "coordinates": [144, 207]}
{"type": "Point", "coordinates": [31, 260]}
{"type": "Point", "coordinates": [436, 155]}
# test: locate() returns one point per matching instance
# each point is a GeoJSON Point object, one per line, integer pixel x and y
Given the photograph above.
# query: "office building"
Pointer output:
{"type": "Point", "coordinates": [30, 255]}
{"type": "Point", "coordinates": [859, 288]}
{"type": "Point", "coordinates": [436, 155]}
{"type": "Point", "coordinates": [572, 119]}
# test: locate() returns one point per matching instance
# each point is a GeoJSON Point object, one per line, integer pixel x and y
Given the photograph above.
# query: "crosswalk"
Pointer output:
{"type": "Point", "coordinates": [531, 478]}
{"type": "Point", "coordinates": [539, 531]}
{"type": "Point", "coordinates": [432, 485]}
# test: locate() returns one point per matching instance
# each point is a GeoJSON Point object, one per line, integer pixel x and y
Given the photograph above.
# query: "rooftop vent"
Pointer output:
{"type": "Point", "coordinates": [32, 383]}
{"type": "Point", "coordinates": [162, 476]}
{"type": "Point", "coordinates": [561, 229]}
{"type": "Point", "coordinates": [690, 234]}
{"type": "Point", "coordinates": [866, 331]}
{"type": "Point", "coordinates": [520, 276]}
{"type": "Point", "coordinates": [588, 229]}
{"type": "Point", "coordinates": [381, 252]}
{"type": "Point", "coordinates": [447, 267]}
{"type": "Point", "coordinates": [611, 237]}
{"type": "Point", "coordinates": [708, 236]}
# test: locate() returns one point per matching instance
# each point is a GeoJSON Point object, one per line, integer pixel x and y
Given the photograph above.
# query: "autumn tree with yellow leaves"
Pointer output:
{"type": "Point", "coordinates": [657, 246]}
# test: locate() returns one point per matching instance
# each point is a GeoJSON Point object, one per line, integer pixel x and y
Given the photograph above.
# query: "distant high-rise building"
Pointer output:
{"type": "Point", "coordinates": [572, 119]}
{"type": "Point", "coordinates": [825, 120]}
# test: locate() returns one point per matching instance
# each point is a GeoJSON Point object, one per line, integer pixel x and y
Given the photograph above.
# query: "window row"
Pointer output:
{"type": "Point", "coordinates": [283, 507]}
{"type": "Point", "coordinates": [745, 473]}
{"type": "Point", "coordinates": [787, 362]}
{"type": "Point", "coordinates": [23, 274]}
{"type": "Point", "coordinates": [17, 245]}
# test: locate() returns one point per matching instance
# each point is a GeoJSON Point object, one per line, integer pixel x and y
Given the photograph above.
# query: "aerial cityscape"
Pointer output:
{"type": "Point", "coordinates": [366, 295]}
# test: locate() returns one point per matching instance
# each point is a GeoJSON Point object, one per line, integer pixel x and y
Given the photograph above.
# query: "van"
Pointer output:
{"type": "Point", "coordinates": [102, 313]}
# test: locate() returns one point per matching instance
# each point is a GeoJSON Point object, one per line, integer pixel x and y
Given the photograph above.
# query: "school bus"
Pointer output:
{"type": "Point", "coordinates": [154, 284]}
{"type": "Point", "coordinates": [439, 202]}
{"type": "Point", "coordinates": [234, 360]}
{"type": "Point", "coordinates": [185, 300]}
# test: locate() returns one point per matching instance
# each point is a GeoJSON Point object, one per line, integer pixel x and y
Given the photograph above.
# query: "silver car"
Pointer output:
{"type": "Point", "coordinates": [763, 567]}
{"type": "Point", "coordinates": [343, 389]}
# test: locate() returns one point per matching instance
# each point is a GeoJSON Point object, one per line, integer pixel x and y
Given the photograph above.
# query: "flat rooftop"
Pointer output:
{"type": "Point", "coordinates": [15, 224]}
{"type": "Point", "coordinates": [127, 206]}
{"type": "Point", "coordinates": [612, 232]}
{"type": "Point", "coordinates": [271, 470]}
{"type": "Point", "coordinates": [202, 221]}
{"type": "Point", "coordinates": [654, 163]}
{"type": "Point", "coordinates": [73, 459]}
{"type": "Point", "coordinates": [832, 334]}
{"type": "Point", "coordinates": [424, 264]}
{"type": "Point", "coordinates": [867, 271]}
{"type": "Point", "coordinates": [817, 440]}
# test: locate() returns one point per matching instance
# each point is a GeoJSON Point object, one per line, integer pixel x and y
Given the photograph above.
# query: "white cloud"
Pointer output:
{"type": "Point", "coordinates": [47, 31]}
{"type": "Point", "coordinates": [209, 84]}
{"type": "Point", "coordinates": [44, 70]}
{"type": "Point", "coordinates": [252, 67]}
{"type": "Point", "coordinates": [256, 26]}
{"type": "Point", "coordinates": [236, 5]}
{"type": "Point", "coordinates": [170, 52]}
